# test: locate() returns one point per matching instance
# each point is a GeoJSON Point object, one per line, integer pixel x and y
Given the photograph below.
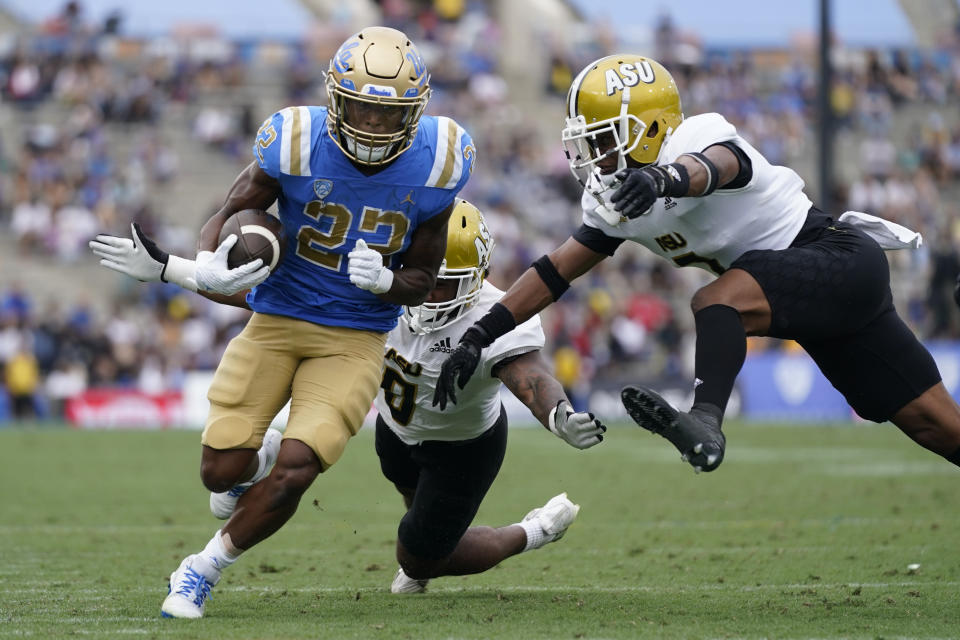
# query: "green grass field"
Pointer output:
{"type": "Point", "coordinates": [804, 532]}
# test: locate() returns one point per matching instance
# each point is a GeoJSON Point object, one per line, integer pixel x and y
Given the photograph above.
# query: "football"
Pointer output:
{"type": "Point", "coordinates": [259, 235]}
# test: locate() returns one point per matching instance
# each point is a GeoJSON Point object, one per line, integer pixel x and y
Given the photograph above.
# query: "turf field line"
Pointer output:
{"type": "Point", "coordinates": [86, 632]}
{"type": "Point", "coordinates": [534, 589]}
{"type": "Point", "coordinates": [631, 589]}
{"type": "Point", "coordinates": [832, 521]}
{"type": "Point", "coordinates": [648, 550]}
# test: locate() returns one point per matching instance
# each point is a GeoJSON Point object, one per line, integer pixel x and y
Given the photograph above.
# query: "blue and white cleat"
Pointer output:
{"type": "Point", "coordinates": [223, 504]}
{"type": "Point", "coordinates": [189, 590]}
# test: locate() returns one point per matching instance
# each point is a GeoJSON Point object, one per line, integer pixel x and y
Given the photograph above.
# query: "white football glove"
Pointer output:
{"type": "Point", "coordinates": [366, 269]}
{"type": "Point", "coordinates": [213, 275]}
{"type": "Point", "coordinates": [581, 430]}
{"type": "Point", "coordinates": [141, 258]}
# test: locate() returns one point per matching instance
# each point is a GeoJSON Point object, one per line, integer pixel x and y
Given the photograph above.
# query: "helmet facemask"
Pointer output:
{"type": "Point", "coordinates": [583, 143]}
{"type": "Point", "coordinates": [431, 316]}
{"type": "Point", "coordinates": [463, 270]}
{"type": "Point", "coordinates": [373, 148]}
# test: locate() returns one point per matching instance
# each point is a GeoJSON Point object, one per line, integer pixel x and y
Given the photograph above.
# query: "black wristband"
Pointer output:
{"type": "Point", "coordinates": [713, 174]}
{"type": "Point", "coordinates": [550, 276]}
{"type": "Point", "coordinates": [677, 180]}
{"type": "Point", "coordinates": [497, 322]}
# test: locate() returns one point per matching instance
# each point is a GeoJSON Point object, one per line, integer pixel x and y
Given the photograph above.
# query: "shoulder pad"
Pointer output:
{"type": "Point", "coordinates": [454, 156]}
{"type": "Point", "coordinates": [284, 142]}
{"type": "Point", "coordinates": [695, 134]}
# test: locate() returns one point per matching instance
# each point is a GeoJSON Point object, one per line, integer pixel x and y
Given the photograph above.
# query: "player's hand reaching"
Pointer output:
{"type": "Point", "coordinates": [139, 257]}
{"type": "Point", "coordinates": [365, 266]}
{"type": "Point", "coordinates": [579, 429]}
{"type": "Point", "coordinates": [212, 273]}
{"type": "Point", "coordinates": [459, 366]}
{"type": "Point", "coordinates": [639, 189]}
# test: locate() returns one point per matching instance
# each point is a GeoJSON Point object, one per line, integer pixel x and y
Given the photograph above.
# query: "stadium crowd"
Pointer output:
{"type": "Point", "coordinates": [63, 181]}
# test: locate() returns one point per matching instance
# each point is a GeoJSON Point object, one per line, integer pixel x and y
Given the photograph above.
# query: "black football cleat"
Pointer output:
{"type": "Point", "coordinates": [696, 434]}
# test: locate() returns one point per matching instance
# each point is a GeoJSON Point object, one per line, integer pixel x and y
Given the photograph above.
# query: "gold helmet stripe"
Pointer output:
{"type": "Point", "coordinates": [448, 161]}
{"type": "Point", "coordinates": [295, 141]}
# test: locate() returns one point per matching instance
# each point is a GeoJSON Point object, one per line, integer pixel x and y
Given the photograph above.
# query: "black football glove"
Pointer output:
{"type": "Point", "coordinates": [639, 189]}
{"type": "Point", "coordinates": [460, 365]}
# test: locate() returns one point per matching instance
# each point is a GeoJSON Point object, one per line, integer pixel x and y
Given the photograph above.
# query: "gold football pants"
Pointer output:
{"type": "Point", "coordinates": [330, 374]}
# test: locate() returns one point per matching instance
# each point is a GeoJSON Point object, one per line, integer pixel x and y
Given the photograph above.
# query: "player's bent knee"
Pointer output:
{"type": "Point", "coordinates": [221, 470]}
{"type": "Point", "coordinates": [214, 482]}
{"type": "Point", "coordinates": [418, 567]}
{"type": "Point", "coordinates": [708, 296]}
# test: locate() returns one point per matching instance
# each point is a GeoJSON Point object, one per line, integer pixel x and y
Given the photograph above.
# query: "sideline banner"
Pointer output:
{"type": "Point", "coordinates": [789, 386]}
{"type": "Point", "coordinates": [772, 386]}
{"type": "Point", "coordinates": [124, 409]}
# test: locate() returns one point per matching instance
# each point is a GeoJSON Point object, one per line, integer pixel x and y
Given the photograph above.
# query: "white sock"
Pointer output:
{"type": "Point", "coordinates": [535, 536]}
{"type": "Point", "coordinates": [215, 555]}
{"type": "Point", "coordinates": [267, 455]}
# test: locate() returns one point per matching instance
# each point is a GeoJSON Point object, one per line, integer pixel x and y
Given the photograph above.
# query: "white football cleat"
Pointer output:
{"type": "Point", "coordinates": [188, 591]}
{"type": "Point", "coordinates": [554, 518]}
{"type": "Point", "coordinates": [403, 583]}
{"type": "Point", "coordinates": [223, 504]}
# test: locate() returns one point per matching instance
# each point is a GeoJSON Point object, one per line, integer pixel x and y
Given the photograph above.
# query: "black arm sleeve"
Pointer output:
{"type": "Point", "coordinates": [596, 240]}
{"type": "Point", "coordinates": [745, 174]}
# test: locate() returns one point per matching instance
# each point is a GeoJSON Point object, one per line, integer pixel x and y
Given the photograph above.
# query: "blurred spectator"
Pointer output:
{"type": "Point", "coordinates": [22, 378]}
{"type": "Point", "coordinates": [945, 267]}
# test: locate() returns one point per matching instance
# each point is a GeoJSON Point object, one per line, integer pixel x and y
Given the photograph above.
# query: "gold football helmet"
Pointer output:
{"type": "Point", "coordinates": [466, 262]}
{"type": "Point", "coordinates": [629, 100]}
{"type": "Point", "coordinates": [376, 71]}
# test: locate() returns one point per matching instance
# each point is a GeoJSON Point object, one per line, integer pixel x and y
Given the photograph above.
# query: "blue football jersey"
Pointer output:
{"type": "Point", "coordinates": [326, 204]}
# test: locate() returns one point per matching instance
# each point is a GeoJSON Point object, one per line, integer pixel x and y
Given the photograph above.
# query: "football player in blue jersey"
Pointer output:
{"type": "Point", "coordinates": [364, 189]}
{"type": "Point", "coordinates": [444, 462]}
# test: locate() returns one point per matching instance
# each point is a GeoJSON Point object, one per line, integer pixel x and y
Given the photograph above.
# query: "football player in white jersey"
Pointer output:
{"type": "Point", "coordinates": [696, 193]}
{"type": "Point", "coordinates": [443, 462]}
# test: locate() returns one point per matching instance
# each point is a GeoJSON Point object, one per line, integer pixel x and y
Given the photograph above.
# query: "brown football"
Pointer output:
{"type": "Point", "coordinates": [259, 235]}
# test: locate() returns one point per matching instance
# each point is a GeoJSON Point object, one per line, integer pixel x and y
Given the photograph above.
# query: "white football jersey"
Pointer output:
{"type": "Point", "coordinates": [413, 366]}
{"type": "Point", "coordinates": [711, 232]}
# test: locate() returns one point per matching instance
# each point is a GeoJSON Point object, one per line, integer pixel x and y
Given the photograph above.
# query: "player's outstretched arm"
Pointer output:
{"type": "Point", "coordinates": [412, 283]}
{"type": "Point", "coordinates": [537, 288]}
{"type": "Point", "coordinates": [529, 378]}
{"type": "Point", "coordinates": [692, 175]}
{"type": "Point", "coordinates": [139, 257]}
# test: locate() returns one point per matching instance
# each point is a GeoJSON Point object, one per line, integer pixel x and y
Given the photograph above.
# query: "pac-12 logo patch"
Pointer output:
{"type": "Point", "coordinates": [322, 188]}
